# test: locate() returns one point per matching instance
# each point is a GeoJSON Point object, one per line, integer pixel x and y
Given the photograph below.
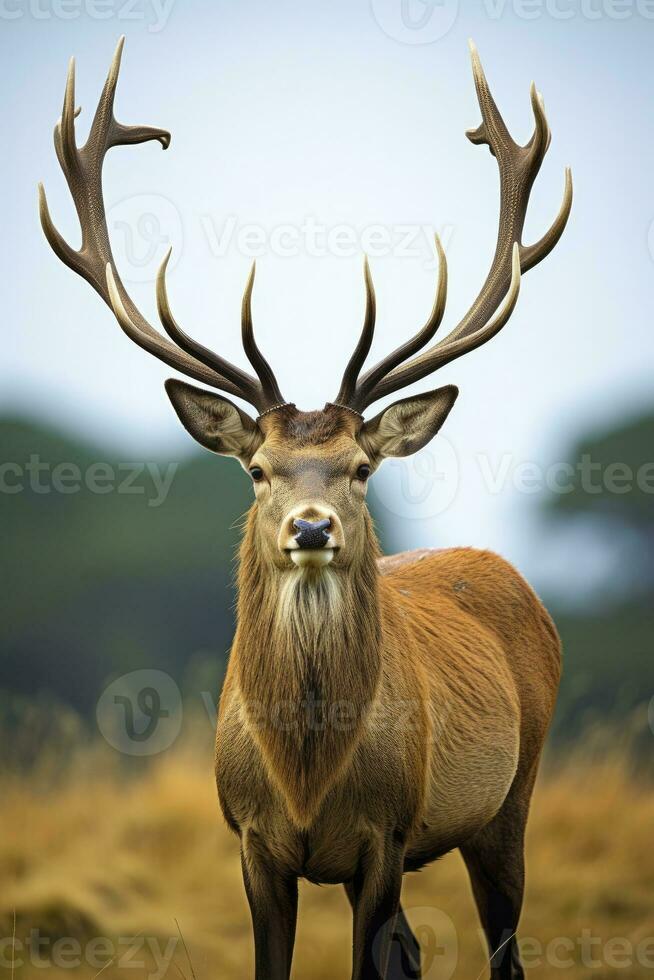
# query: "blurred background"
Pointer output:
{"type": "Point", "coordinates": [304, 135]}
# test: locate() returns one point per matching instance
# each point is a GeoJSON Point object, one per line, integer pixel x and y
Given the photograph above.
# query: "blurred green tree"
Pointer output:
{"type": "Point", "coordinates": [609, 640]}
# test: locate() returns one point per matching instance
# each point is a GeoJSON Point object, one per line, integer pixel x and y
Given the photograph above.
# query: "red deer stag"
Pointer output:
{"type": "Point", "coordinates": [377, 712]}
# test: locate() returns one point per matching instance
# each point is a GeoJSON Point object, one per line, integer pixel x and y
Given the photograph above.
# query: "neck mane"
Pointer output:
{"type": "Point", "coordinates": [307, 652]}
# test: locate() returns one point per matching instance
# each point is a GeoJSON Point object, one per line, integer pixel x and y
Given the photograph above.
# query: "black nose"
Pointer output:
{"type": "Point", "coordinates": [312, 534]}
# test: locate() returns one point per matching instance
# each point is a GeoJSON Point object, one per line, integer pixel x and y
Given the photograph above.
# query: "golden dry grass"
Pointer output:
{"type": "Point", "coordinates": [102, 853]}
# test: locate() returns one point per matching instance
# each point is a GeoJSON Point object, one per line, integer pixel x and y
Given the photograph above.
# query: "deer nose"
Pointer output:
{"type": "Point", "coordinates": [312, 534]}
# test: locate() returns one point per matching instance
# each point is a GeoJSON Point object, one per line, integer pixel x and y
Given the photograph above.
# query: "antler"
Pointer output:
{"type": "Point", "coordinates": [518, 168]}
{"type": "Point", "coordinates": [94, 261]}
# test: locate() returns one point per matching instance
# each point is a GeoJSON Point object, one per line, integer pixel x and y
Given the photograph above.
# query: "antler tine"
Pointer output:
{"type": "Point", "coordinates": [417, 342]}
{"type": "Point", "coordinates": [518, 167]}
{"type": "Point", "coordinates": [82, 168]}
{"type": "Point", "coordinates": [461, 345]}
{"type": "Point", "coordinates": [240, 378]}
{"type": "Point", "coordinates": [263, 369]}
{"type": "Point", "coordinates": [66, 126]}
{"type": "Point", "coordinates": [531, 255]}
{"type": "Point", "coordinates": [348, 387]}
{"type": "Point", "coordinates": [155, 344]}
{"type": "Point", "coordinates": [106, 131]}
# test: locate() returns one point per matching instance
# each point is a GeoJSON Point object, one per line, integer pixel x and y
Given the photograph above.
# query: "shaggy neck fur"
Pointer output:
{"type": "Point", "coordinates": [308, 660]}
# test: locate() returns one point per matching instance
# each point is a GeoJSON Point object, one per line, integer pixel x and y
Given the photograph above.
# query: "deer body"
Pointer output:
{"type": "Point", "coordinates": [454, 698]}
{"type": "Point", "coordinates": [377, 712]}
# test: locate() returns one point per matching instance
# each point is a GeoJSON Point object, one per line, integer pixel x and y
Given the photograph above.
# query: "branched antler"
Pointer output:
{"type": "Point", "coordinates": [82, 167]}
{"type": "Point", "coordinates": [518, 168]}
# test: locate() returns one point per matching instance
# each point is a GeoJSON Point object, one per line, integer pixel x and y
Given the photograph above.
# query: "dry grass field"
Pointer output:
{"type": "Point", "coordinates": [98, 864]}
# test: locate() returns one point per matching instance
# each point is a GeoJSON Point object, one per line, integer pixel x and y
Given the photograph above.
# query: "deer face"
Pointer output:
{"type": "Point", "coordinates": [310, 477]}
{"type": "Point", "coordinates": [310, 470]}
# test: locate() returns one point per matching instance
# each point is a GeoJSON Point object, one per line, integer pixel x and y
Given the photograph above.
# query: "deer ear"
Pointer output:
{"type": "Point", "coordinates": [406, 426]}
{"type": "Point", "coordinates": [214, 421]}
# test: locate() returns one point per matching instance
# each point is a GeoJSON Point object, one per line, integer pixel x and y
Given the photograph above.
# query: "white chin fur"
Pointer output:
{"type": "Point", "coordinates": [317, 557]}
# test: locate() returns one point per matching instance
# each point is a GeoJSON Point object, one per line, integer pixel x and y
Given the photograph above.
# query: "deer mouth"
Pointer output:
{"type": "Point", "coordinates": [312, 557]}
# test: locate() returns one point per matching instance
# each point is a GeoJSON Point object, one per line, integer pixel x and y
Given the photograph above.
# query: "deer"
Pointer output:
{"type": "Point", "coordinates": [377, 711]}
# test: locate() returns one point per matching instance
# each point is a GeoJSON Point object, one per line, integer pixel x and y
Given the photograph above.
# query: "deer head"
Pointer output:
{"type": "Point", "coordinates": [309, 469]}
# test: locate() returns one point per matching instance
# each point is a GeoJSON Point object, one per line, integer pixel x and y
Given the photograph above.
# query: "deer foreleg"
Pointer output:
{"type": "Point", "coordinates": [272, 896]}
{"type": "Point", "coordinates": [375, 897]}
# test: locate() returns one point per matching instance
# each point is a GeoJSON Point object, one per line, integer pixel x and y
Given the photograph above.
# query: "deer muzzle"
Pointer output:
{"type": "Point", "coordinates": [310, 535]}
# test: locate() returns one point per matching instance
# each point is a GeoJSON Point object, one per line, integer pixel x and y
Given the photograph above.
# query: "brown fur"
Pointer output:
{"type": "Point", "coordinates": [377, 714]}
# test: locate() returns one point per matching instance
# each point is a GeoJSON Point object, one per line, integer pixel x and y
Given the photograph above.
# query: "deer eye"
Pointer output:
{"type": "Point", "coordinates": [363, 472]}
{"type": "Point", "coordinates": [256, 473]}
